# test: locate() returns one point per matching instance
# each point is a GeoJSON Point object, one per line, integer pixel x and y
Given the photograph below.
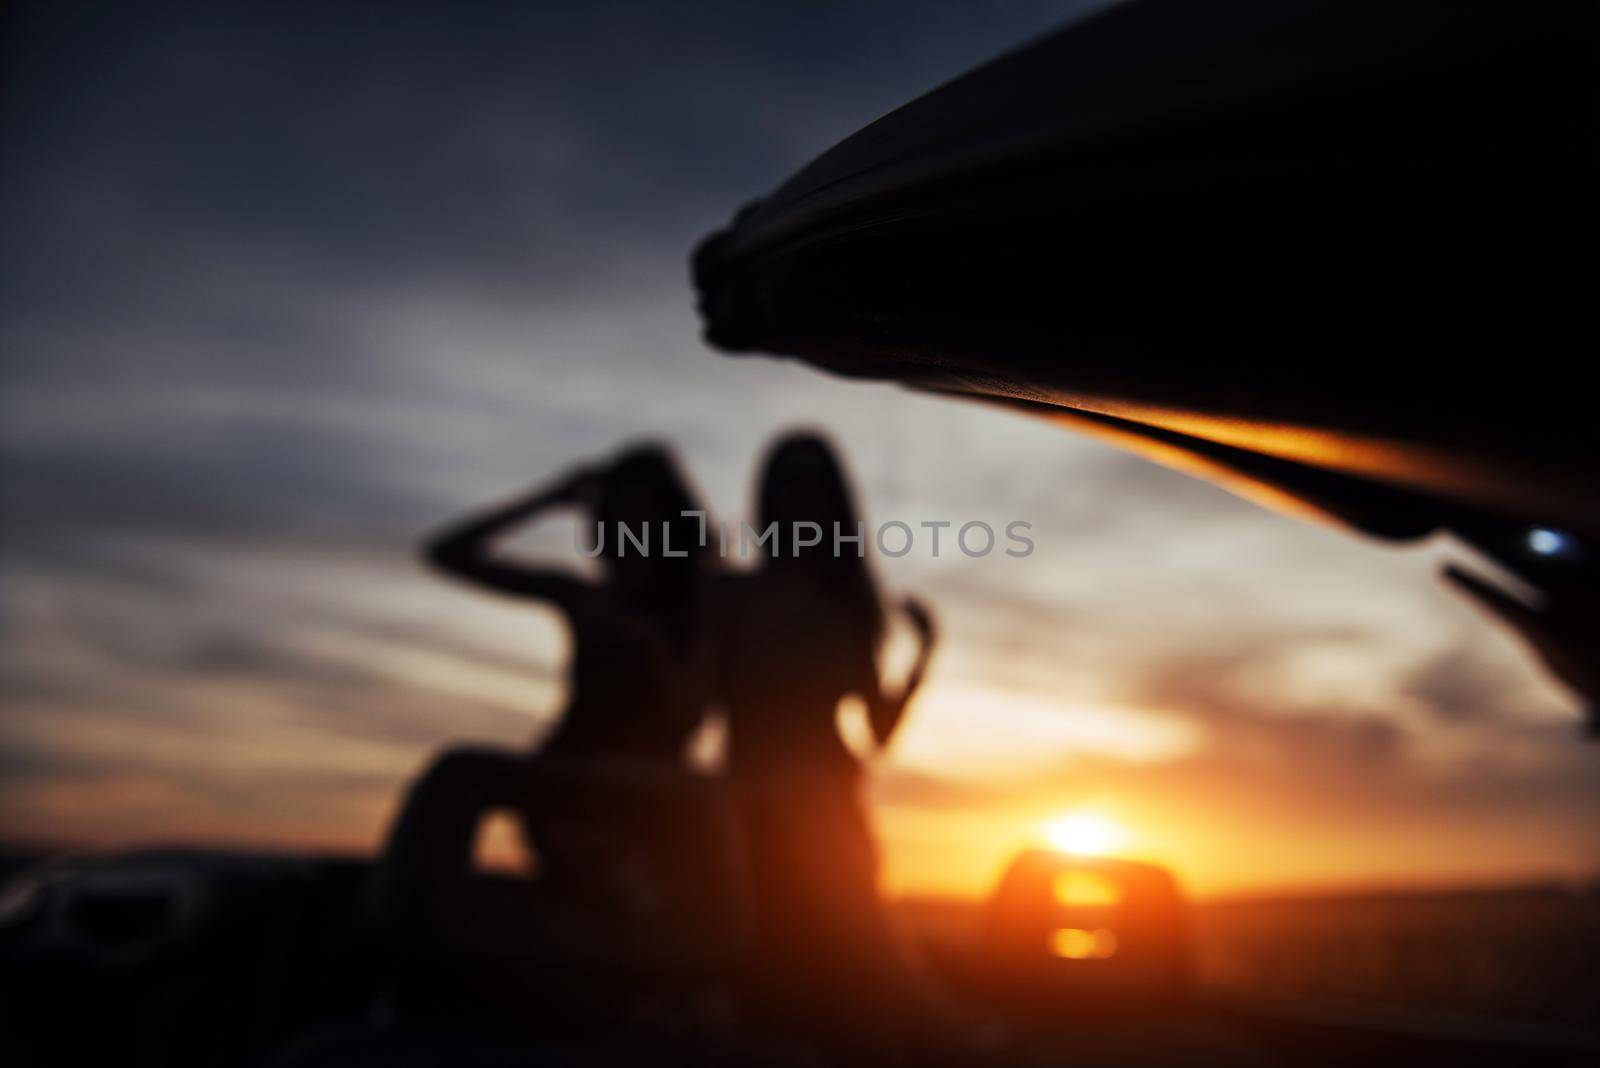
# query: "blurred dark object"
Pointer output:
{"type": "Point", "coordinates": [1561, 621]}
{"type": "Point", "coordinates": [175, 957]}
{"type": "Point", "coordinates": [198, 958]}
{"type": "Point", "coordinates": [1323, 253]}
{"type": "Point", "coordinates": [1068, 935]}
{"type": "Point", "coordinates": [1331, 249]}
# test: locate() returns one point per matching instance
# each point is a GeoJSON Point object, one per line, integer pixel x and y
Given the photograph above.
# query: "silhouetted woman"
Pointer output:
{"type": "Point", "coordinates": [802, 634]}
{"type": "Point", "coordinates": [637, 674]}
{"type": "Point", "coordinates": [639, 680]}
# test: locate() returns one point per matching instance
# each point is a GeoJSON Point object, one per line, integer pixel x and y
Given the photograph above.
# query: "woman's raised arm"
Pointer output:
{"type": "Point", "coordinates": [465, 549]}
{"type": "Point", "coordinates": [885, 710]}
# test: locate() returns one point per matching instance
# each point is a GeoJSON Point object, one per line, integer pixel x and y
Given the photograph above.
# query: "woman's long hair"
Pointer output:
{"type": "Point", "coordinates": [803, 481]}
{"type": "Point", "coordinates": [642, 487]}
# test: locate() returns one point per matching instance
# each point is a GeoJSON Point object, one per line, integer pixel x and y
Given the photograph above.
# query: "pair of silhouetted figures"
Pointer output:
{"type": "Point", "coordinates": [628, 837]}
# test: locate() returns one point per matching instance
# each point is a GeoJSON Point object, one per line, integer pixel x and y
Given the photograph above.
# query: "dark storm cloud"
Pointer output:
{"type": "Point", "coordinates": [485, 140]}
{"type": "Point", "coordinates": [191, 195]}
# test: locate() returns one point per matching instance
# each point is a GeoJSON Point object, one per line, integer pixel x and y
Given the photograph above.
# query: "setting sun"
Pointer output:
{"type": "Point", "coordinates": [1086, 833]}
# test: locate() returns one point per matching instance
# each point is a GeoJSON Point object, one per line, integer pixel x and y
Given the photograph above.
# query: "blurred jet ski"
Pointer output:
{"type": "Point", "coordinates": [1325, 253]}
{"type": "Point", "coordinates": [1343, 236]}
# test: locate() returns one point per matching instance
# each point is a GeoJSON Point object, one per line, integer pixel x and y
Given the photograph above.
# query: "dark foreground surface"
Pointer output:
{"type": "Point", "coordinates": [197, 958]}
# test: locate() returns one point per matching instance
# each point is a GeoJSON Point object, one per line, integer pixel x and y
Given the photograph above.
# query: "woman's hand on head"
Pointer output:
{"type": "Point", "coordinates": [579, 487]}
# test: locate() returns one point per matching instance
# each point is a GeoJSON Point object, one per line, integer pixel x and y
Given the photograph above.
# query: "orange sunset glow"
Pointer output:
{"type": "Point", "coordinates": [1314, 763]}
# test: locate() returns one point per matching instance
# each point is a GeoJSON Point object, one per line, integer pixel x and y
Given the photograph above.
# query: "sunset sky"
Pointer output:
{"type": "Point", "coordinates": [283, 291]}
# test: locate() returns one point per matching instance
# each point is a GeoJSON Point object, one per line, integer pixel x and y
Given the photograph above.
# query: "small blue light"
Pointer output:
{"type": "Point", "coordinates": [1547, 542]}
